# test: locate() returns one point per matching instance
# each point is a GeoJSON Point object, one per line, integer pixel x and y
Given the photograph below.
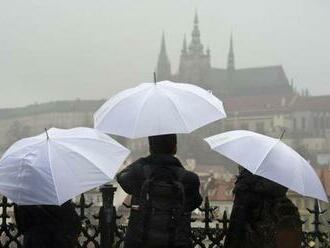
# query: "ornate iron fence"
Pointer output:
{"type": "Point", "coordinates": [102, 230]}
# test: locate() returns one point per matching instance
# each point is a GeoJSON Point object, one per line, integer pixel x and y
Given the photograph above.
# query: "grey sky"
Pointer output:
{"type": "Point", "coordinates": [65, 49]}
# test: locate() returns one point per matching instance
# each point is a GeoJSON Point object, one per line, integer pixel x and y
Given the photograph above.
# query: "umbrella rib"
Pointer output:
{"type": "Point", "coordinates": [51, 169]}
{"type": "Point", "coordinates": [302, 180]}
{"type": "Point", "coordinates": [64, 147]}
{"type": "Point", "coordinates": [80, 155]}
{"type": "Point", "coordinates": [198, 95]}
{"type": "Point", "coordinates": [105, 107]}
{"type": "Point", "coordinates": [227, 141]}
{"type": "Point", "coordinates": [176, 108]}
{"type": "Point", "coordinates": [19, 193]}
{"type": "Point", "coordinates": [24, 147]}
{"type": "Point", "coordinates": [267, 154]}
{"type": "Point", "coordinates": [19, 175]}
{"type": "Point", "coordinates": [112, 142]}
{"type": "Point", "coordinates": [100, 141]}
{"type": "Point", "coordinates": [278, 141]}
{"type": "Point", "coordinates": [141, 107]}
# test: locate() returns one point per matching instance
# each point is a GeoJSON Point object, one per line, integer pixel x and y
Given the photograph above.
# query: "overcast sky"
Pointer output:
{"type": "Point", "coordinates": [68, 49]}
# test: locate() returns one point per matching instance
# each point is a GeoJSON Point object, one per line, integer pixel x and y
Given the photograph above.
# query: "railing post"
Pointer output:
{"type": "Point", "coordinates": [207, 213]}
{"type": "Point", "coordinates": [107, 217]}
{"type": "Point", "coordinates": [319, 236]}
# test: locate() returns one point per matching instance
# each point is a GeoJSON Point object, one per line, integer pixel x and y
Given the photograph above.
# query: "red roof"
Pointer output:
{"type": "Point", "coordinates": [312, 103]}
{"type": "Point", "coordinates": [264, 104]}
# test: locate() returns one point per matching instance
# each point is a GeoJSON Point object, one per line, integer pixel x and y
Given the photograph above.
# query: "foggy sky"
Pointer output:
{"type": "Point", "coordinates": [68, 49]}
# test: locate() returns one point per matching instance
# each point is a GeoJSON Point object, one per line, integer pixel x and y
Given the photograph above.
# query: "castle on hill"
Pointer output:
{"type": "Point", "coordinates": [195, 67]}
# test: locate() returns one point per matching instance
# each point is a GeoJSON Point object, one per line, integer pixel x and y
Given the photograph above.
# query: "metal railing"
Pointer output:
{"type": "Point", "coordinates": [102, 230]}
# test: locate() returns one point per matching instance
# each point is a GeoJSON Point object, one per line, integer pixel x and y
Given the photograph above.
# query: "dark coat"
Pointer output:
{"type": "Point", "coordinates": [46, 226]}
{"type": "Point", "coordinates": [132, 178]}
{"type": "Point", "coordinates": [260, 212]}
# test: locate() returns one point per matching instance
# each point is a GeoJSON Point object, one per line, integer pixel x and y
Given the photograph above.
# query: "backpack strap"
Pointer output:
{"type": "Point", "coordinates": [147, 173]}
{"type": "Point", "coordinates": [144, 200]}
{"type": "Point", "coordinates": [176, 215]}
{"type": "Point", "coordinates": [179, 177]}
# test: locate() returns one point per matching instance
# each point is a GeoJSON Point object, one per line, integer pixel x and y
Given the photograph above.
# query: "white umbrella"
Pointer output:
{"type": "Point", "coordinates": [56, 166]}
{"type": "Point", "coordinates": [158, 108]}
{"type": "Point", "coordinates": [271, 159]}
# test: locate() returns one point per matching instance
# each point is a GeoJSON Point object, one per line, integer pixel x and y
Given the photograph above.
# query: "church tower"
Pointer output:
{"type": "Point", "coordinates": [231, 57]}
{"type": "Point", "coordinates": [183, 57]}
{"type": "Point", "coordinates": [194, 62]}
{"type": "Point", "coordinates": [163, 64]}
{"type": "Point", "coordinates": [231, 86]}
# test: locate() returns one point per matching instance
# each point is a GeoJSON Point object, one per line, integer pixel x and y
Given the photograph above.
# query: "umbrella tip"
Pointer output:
{"type": "Point", "coordinates": [47, 134]}
{"type": "Point", "coordinates": [155, 78]}
{"type": "Point", "coordinates": [282, 134]}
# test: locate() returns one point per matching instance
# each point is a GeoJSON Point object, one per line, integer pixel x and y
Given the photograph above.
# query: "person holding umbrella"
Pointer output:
{"type": "Point", "coordinates": [163, 193]}
{"type": "Point", "coordinates": [262, 215]}
{"type": "Point", "coordinates": [163, 196]}
{"type": "Point", "coordinates": [41, 174]}
{"type": "Point", "coordinates": [47, 226]}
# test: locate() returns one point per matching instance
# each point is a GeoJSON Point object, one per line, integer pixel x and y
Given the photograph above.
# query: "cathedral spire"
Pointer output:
{"type": "Point", "coordinates": [163, 45]}
{"type": "Point", "coordinates": [195, 63]}
{"type": "Point", "coordinates": [231, 57]}
{"type": "Point", "coordinates": [163, 64]}
{"type": "Point", "coordinates": [196, 18]}
{"type": "Point", "coordinates": [195, 46]}
{"type": "Point", "coordinates": [184, 46]}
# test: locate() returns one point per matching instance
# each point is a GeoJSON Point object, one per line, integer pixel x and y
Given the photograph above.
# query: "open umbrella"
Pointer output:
{"type": "Point", "coordinates": [158, 108]}
{"type": "Point", "coordinates": [58, 165]}
{"type": "Point", "coordinates": [271, 159]}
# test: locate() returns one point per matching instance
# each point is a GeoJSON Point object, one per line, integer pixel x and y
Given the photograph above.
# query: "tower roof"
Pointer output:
{"type": "Point", "coordinates": [231, 57]}
{"type": "Point", "coordinates": [163, 64]}
{"type": "Point", "coordinates": [163, 52]}
{"type": "Point", "coordinates": [195, 46]}
{"type": "Point", "coordinates": [184, 46]}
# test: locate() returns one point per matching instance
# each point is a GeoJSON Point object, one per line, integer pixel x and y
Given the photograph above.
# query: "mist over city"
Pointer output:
{"type": "Point", "coordinates": [210, 116]}
{"type": "Point", "coordinates": [65, 50]}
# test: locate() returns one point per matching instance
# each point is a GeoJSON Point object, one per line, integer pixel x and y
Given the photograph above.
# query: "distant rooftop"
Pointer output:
{"type": "Point", "coordinates": [242, 105]}
{"type": "Point", "coordinates": [51, 107]}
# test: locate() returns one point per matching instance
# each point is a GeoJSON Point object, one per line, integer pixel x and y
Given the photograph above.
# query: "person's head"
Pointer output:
{"type": "Point", "coordinates": [163, 144]}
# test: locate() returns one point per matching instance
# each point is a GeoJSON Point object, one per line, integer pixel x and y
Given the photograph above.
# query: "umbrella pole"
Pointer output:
{"type": "Point", "coordinates": [155, 78]}
{"type": "Point", "coordinates": [47, 134]}
{"type": "Point", "coordinates": [282, 134]}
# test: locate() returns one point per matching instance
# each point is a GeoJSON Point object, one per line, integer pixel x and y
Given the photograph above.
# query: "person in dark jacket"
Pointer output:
{"type": "Point", "coordinates": [162, 150]}
{"type": "Point", "coordinates": [262, 215]}
{"type": "Point", "coordinates": [48, 226]}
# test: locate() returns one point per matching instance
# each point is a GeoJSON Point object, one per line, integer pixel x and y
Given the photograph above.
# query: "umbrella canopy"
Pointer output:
{"type": "Point", "coordinates": [271, 159]}
{"type": "Point", "coordinates": [158, 108]}
{"type": "Point", "coordinates": [56, 166]}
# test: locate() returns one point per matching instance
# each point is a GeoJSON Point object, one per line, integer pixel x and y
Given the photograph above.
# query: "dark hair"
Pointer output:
{"type": "Point", "coordinates": [163, 144]}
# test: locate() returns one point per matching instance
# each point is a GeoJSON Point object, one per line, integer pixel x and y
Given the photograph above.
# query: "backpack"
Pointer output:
{"type": "Point", "coordinates": [162, 200]}
{"type": "Point", "coordinates": [275, 218]}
